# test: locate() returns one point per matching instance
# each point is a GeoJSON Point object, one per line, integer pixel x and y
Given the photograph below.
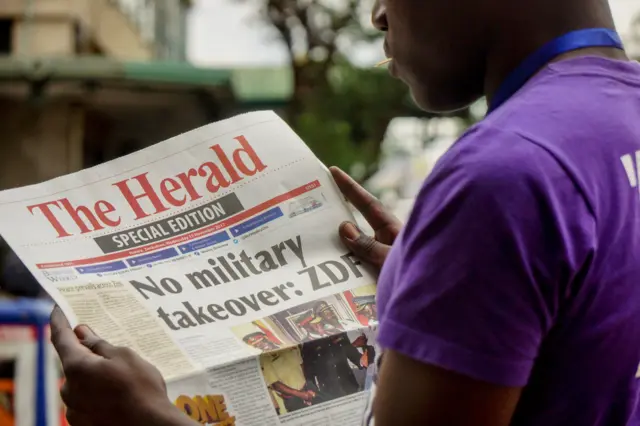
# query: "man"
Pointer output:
{"type": "Point", "coordinates": [330, 320]}
{"type": "Point", "coordinates": [283, 374]}
{"type": "Point", "coordinates": [260, 340]}
{"type": "Point", "coordinates": [511, 296]}
{"type": "Point", "coordinates": [366, 308]}
{"type": "Point", "coordinates": [326, 364]}
{"type": "Point", "coordinates": [368, 357]}
{"type": "Point", "coordinates": [310, 325]}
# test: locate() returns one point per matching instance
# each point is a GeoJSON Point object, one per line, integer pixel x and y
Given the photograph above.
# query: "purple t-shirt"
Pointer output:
{"type": "Point", "coordinates": [520, 263]}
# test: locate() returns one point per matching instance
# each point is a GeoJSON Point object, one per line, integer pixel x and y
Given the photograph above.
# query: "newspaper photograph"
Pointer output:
{"type": "Point", "coordinates": [215, 256]}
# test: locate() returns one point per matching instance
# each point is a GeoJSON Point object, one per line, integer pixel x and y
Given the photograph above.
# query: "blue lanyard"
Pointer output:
{"type": "Point", "coordinates": [593, 37]}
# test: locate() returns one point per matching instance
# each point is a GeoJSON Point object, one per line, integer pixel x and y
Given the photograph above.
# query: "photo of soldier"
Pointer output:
{"type": "Point", "coordinates": [310, 325]}
{"type": "Point", "coordinates": [330, 321]}
{"type": "Point", "coordinates": [366, 307]}
{"type": "Point", "coordinates": [330, 363]}
{"type": "Point", "coordinates": [260, 340]}
{"type": "Point", "coordinates": [317, 319]}
{"type": "Point", "coordinates": [285, 378]}
{"type": "Point", "coordinates": [362, 301]}
{"type": "Point", "coordinates": [336, 358]}
{"type": "Point", "coordinates": [260, 335]}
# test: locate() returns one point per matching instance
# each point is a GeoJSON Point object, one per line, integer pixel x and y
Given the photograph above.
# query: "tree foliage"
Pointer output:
{"type": "Point", "coordinates": [346, 123]}
{"type": "Point", "coordinates": [312, 31]}
{"type": "Point", "coordinates": [340, 110]}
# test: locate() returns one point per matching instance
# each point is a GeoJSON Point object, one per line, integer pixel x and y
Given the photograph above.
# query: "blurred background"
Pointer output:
{"type": "Point", "coordinates": [86, 81]}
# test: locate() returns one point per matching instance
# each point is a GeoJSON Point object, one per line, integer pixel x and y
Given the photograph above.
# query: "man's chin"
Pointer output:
{"type": "Point", "coordinates": [439, 102]}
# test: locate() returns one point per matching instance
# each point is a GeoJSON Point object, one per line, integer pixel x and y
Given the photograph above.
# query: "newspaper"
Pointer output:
{"type": "Point", "coordinates": [215, 256]}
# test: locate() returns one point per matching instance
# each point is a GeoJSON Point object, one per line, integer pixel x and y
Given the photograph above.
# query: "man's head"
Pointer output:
{"type": "Point", "coordinates": [449, 51]}
{"type": "Point", "coordinates": [438, 48]}
{"type": "Point", "coordinates": [325, 311]}
{"type": "Point", "coordinates": [366, 306]}
{"type": "Point", "coordinates": [260, 341]}
{"type": "Point", "coordinates": [304, 320]}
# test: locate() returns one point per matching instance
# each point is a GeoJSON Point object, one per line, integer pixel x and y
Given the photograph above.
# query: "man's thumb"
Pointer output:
{"type": "Point", "coordinates": [362, 245]}
{"type": "Point", "coordinates": [94, 343]}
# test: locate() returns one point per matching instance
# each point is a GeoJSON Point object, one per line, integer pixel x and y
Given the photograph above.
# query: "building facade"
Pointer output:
{"type": "Point", "coordinates": [85, 81]}
{"type": "Point", "coordinates": [62, 88]}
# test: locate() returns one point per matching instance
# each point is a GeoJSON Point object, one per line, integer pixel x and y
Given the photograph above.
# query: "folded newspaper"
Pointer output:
{"type": "Point", "coordinates": [215, 256]}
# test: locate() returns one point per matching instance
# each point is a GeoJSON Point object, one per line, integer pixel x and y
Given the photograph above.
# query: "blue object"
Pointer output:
{"type": "Point", "coordinates": [153, 257]}
{"type": "Point", "coordinates": [33, 313]}
{"type": "Point", "coordinates": [203, 243]}
{"type": "Point", "coordinates": [593, 37]}
{"type": "Point", "coordinates": [104, 267]}
{"type": "Point", "coordinates": [25, 312]}
{"type": "Point", "coordinates": [256, 222]}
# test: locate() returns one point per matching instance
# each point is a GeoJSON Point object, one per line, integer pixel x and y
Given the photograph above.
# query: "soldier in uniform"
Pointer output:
{"type": "Point", "coordinates": [366, 307]}
{"type": "Point", "coordinates": [330, 321]}
{"type": "Point", "coordinates": [260, 341]}
{"type": "Point", "coordinates": [311, 326]}
{"type": "Point", "coordinates": [326, 364]}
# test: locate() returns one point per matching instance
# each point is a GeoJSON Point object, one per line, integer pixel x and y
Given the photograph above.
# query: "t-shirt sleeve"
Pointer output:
{"type": "Point", "coordinates": [268, 371]}
{"type": "Point", "coordinates": [485, 263]}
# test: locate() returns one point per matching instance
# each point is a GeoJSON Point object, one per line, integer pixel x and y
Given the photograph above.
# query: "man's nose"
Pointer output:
{"type": "Point", "coordinates": [379, 15]}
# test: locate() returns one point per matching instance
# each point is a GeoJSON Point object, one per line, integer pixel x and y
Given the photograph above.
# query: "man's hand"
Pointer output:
{"type": "Point", "coordinates": [364, 360]}
{"type": "Point", "coordinates": [108, 385]}
{"type": "Point", "coordinates": [282, 389]}
{"type": "Point", "coordinates": [386, 226]}
{"type": "Point", "coordinates": [307, 395]}
{"type": "Point", "coordinates": [360, 342]}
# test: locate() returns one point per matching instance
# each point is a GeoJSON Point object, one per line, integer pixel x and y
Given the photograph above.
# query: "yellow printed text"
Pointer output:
{"type": "Point", "coordinates": [207, 410]}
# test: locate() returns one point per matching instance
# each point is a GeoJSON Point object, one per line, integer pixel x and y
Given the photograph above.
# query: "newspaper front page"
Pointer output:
{"type": "Point", "coordinates": [215, 256]}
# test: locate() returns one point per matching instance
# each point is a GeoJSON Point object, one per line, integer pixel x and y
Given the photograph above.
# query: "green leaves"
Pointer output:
{"type": "Point", "coordinates": [341, 111]}
{"type": "Point", "coordinates": [345, 122]}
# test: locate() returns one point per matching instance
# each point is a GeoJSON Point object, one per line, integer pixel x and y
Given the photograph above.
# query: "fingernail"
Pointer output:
{"type": "Point", "coordinates": [84, 332]}
{"type": "Point", "coordinates": [350, 231]}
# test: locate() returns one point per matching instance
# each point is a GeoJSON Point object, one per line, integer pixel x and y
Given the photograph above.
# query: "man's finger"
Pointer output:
{"type": "Point", "coordinates": [363, 246]}
{"type": "Point", "coordinates": [67, 395]}
{"type": "Point", "coordinates": [64, 339]}
{"type": "Point", "coordinates": [94, 343]}
{"type": "Point", "coordinates": [370, 207]}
